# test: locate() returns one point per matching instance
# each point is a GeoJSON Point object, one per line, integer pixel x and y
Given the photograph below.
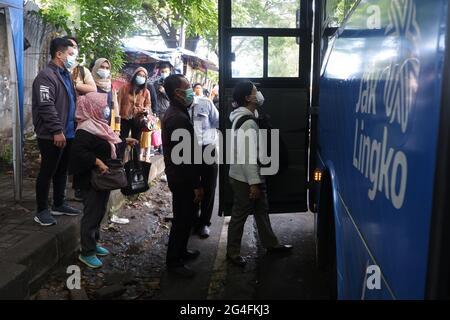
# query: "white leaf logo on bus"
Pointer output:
{"type": "Point", "coordinates": [378, 160]}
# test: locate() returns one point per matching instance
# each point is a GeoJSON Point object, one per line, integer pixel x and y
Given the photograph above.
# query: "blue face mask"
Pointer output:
{"type": "Point", "coordinates": [70, 62]}
{"type": "Point", "coordinates": [140, 80]}
{"type": "Point", "coordinates": [106, 113]}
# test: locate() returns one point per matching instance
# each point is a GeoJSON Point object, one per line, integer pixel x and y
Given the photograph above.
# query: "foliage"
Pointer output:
{"type": "Point", "coordinates": [338, 10]}
{"type": "Point", "coordinates": [6, 154]}
{"type": "Point", "coordinates": [200, 18]}
{"type": "Point", "coordinates": [283, 52]}
{"type": "Point", "coordinates": [98, 25]}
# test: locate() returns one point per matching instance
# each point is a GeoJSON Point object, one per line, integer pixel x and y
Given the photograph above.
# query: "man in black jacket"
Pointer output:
{"type": "Point", "coordinates": [53, 109]}
{"type": "Point", "coordinates": [183, 175]}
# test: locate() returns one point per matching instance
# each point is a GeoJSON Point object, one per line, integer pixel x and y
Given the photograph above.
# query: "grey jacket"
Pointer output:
{"type": "Point", "coordinates": [244, 167]}
{"type": "Point", "coordinates": [50, 103]}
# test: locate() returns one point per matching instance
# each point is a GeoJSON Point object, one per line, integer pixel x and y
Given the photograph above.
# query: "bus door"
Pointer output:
{"type": "Point", "coordinates": [269, 43]}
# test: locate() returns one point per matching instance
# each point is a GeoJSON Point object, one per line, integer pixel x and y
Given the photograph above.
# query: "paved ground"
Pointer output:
{"type": "Point", "coordinates": [136, 267]}
{"type": "Point", "coordinates": [141, 253]}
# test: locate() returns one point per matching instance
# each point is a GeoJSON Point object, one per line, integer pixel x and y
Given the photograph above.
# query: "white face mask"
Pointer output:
{"type": "Point", "coordinates": [104, 74]}
{"type": "Point", "coordinates": [140, 80]}
{"type": "Point", "coordinates": [259, 99]}
{"type": "Point", "coordinates": [165, 75]}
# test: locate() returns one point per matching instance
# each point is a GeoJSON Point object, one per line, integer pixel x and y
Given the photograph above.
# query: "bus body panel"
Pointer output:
{"type": "Point", "coordinates": [378, 127]}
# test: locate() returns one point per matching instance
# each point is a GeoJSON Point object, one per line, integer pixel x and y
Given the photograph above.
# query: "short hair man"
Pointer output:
{"type": "Point", "coordinates": [183, 179]}
{"type": "Point", "coordinates": [53, 108]}
{"type": "Point", "coordinates": [81, 76]}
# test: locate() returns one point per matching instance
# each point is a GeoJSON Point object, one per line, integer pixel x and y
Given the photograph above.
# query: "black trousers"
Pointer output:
{"type": "Point", "coordinates": [209, 182]}
{"type": "Point", "coordinates": [95, 203]}
{"type": "Point", "coordinates": [54, 165]}
{"type": "Point", "coordinates": [129, 125]}
{"type": "Point", "coordinates": [183, 208]}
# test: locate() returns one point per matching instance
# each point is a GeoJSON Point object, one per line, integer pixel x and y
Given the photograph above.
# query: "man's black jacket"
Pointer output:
{"type": "Point", "coordinates": [186, 174]}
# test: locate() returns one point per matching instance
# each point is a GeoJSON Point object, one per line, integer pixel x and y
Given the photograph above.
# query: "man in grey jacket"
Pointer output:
{"type": "Point", "coordinates": [53, 108]}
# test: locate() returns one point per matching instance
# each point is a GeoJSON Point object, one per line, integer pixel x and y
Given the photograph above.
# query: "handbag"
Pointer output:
{"type": "Point", "coordinates": [114, 178]}
{"type": "Point", "coordinates": [137, 173]}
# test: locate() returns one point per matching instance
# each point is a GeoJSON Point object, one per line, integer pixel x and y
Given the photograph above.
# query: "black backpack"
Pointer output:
{"type": "Point", "coordinates": [263, 122]}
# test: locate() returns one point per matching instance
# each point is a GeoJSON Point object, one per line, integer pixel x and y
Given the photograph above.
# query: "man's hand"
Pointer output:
{"type": "Point", "coordinates": [255, 192]}
{"type": "Point", "coordinates": [131, 141]}
{"type": "Point", "coordinates": [59, 140]}
{"type": "Point", "coordinates": [199, 193]}
{"type": "Point", "coordinates": [101, 166]}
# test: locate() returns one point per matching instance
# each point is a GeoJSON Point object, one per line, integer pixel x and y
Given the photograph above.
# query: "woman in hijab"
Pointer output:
{"type": "Point", "coordinates": [134, 101]}
{"type": "Point", "coordinates": [101, 72]}
{"type": "Point", "coordinates": [95, 143]}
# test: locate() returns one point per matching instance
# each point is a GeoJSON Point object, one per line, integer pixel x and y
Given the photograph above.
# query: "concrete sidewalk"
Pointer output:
{"type": "Point", "coordinates": [28, 252]}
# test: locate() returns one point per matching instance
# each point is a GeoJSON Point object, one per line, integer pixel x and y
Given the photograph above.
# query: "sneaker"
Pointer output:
{"type": "Point", "coordinates": [44, 218]}
{"type": "Point", "coordinates": [91, 261]}
{"type": "Point", "coordinates": [116, 219]}
{"type": "Point", "coordinates": [65, 210]}
{"type": "Point", "coordinates": [101, 251]}
{"type": "Point", "coordinates": [203, 232]}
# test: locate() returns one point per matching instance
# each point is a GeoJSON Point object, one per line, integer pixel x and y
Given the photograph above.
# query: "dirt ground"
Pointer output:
{"type": "Point", "coordinates": [138, 249]}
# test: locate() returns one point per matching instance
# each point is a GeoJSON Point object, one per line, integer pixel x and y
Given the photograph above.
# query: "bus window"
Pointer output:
{"type": "Point", "coordinates": [264, 14]}
{"type": "Point", "coordinates": [337, 11]}
{"type": "Point", "coordinates": [248, 57]}
{"type": "Point", "coordinates": [284, 57]}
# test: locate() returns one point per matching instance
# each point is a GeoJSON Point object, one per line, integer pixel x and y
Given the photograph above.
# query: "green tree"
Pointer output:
{"type": "Point", "coordinates": [199, 18]}
{"type": "Point", "coordinates": [99, 25]}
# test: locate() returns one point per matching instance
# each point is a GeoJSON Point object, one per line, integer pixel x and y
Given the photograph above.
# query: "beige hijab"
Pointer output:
{"type": "Point", "coordinates": [104, 84]}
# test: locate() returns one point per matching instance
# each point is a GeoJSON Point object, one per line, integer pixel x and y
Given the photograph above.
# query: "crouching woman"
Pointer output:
{"type": "Point", "coordinates": [95, 143]}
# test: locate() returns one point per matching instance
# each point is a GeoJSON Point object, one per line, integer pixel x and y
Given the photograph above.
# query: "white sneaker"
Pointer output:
{"type": "Point", "coordinates": [118, 220]}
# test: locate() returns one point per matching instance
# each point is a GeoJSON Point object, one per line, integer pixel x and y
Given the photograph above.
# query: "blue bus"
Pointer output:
{"type": "Point", "coordinates": [382, 150]}
{"type": "Point", "coordinates": [363, 107]}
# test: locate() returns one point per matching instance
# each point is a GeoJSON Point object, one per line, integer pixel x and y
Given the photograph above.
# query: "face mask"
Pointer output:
{"type": "Point", "coordinates": [70, 62]}
{"type": "Point", "coordinates": [106, 113]}
{"type": "Point", "coordinates": [188, 96]}
{"type": "Point", "coordinates": [165, 75]}
{"type": "Point", "coordinates": [140, 80]}
{"type": "Point", "coordinates": [259, 99]}
{"type": "Point", "coordinates": [102, 73]}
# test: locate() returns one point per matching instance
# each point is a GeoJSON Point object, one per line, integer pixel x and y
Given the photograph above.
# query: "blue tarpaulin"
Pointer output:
{"type": "Point", "coordinates": [14, 27]}
{"type": "Point", "coordinates": [15, 8]}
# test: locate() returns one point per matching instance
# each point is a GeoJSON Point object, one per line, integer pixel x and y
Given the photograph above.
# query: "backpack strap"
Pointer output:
{"type": "Point", "coordinates": [82, 72]}
{"type": "Point", "coordinates": [243, 119]}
